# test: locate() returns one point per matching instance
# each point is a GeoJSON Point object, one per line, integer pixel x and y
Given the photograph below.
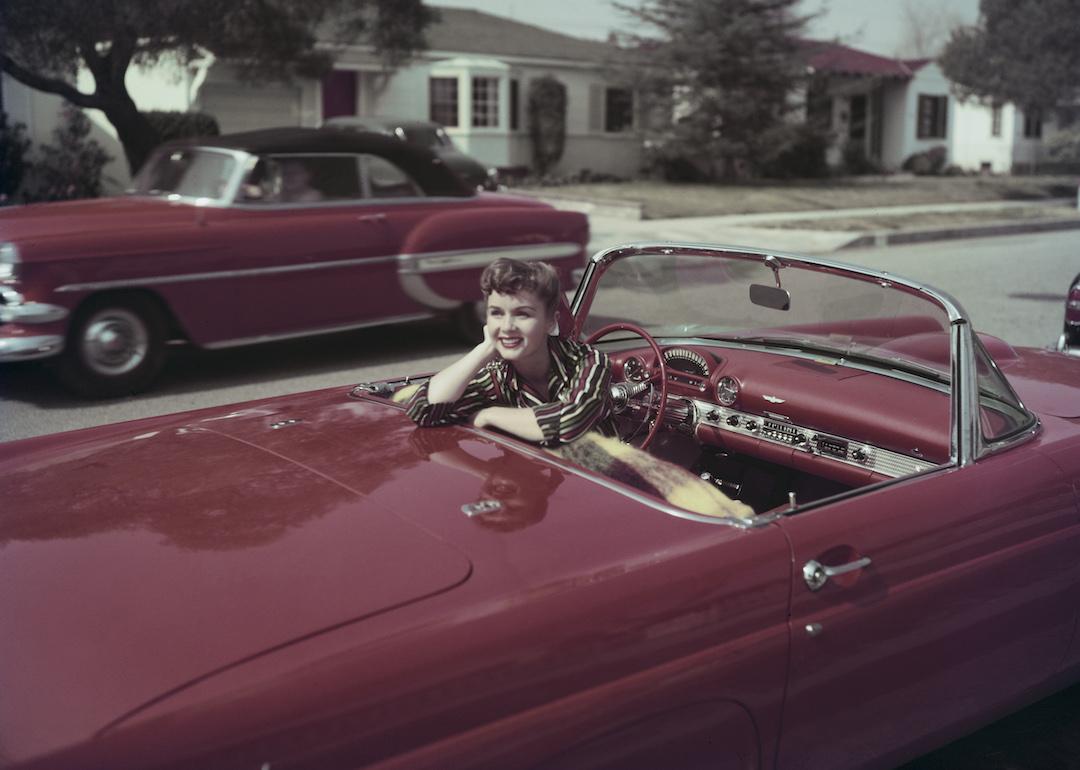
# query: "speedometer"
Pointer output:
{"type": "Point", "coordinates": [727, 390]}
{"type": "Point", "coordinates": [683, 360]}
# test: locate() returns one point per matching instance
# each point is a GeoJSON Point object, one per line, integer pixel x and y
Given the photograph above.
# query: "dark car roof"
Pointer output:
{"type": "Point", "coordinates": [427, 168]}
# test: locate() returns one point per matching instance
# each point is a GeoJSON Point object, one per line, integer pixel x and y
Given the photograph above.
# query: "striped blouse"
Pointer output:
{"type": "Point", "coordinates": [579, 382]}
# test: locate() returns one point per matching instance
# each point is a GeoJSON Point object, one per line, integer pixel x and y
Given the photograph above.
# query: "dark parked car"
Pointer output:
{"type": "Point", "coordinates": [871, 549]}
{"type": "Point", "coordinates": [430, 135]}
{"type": "Point", "coordinates": [254, 237]}
{"type": "Point", "coordinates": [1069, 342]}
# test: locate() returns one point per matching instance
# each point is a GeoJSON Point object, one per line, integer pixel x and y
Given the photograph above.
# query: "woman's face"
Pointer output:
{"type": "Point", "coordinates": [519, 324]}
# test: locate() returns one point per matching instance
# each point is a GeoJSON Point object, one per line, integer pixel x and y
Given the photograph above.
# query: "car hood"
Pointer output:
{"type": "Point", "coordinates": [1047, 382]}
{"type": "Point", "coordinates": [140, 559]}
{"type": "Point", "coordinates": [28, 225]}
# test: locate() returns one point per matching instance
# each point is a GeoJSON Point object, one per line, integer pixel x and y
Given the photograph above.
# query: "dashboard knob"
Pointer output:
{"type": "Point", "coordinates": [799, 439]}
{"type": "Point", "coordinates": [733, 421]}
{"type": "Point", "coordinates": [750, 426]}
{"type": "Point", "coordinates": [712, 416]}
{"type": "Point", "coordinates": [859, 456]}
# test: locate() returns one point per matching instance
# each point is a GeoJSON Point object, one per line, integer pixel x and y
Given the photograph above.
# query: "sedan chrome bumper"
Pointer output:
{"type": "Point", "coordinates": [13, 309]}
{"type": "Point", "coordinates": [28, 348]}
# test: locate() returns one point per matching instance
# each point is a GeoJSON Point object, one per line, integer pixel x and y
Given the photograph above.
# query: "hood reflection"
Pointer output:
{"type": "Point", "coordinates": [520, 483]}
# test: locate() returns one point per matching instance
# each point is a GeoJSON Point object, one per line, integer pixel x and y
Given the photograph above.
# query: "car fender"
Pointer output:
{"type": "Point", "coordinates": [441, 258]}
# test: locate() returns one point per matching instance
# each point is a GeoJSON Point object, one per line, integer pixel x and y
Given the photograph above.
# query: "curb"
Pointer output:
{"type": "Point", "coordinates": [898, 237]}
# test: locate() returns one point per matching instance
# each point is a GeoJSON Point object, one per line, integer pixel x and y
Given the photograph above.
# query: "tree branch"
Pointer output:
{"type": "Point", "coordinates": [49, 85]}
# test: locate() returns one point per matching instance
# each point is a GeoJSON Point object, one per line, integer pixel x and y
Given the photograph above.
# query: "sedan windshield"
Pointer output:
{"type": "Point", "coordinates": [188, 172]}
{"type": "Point", "coordinates": [831, 314]}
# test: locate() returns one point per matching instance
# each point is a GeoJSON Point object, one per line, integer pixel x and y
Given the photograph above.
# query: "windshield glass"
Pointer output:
{"type": "Point", "coordinates": [189, 172]}
{"type": "Point", "coordinates": [431, 137]}
{"type": "Point", "coordinates": [830, 313]}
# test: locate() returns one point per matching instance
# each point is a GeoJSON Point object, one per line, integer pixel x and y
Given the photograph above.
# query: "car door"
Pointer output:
{"type": "Point", "coordinates": [307, 259]}
{"type": "Point", "coordinates": [958, 599]}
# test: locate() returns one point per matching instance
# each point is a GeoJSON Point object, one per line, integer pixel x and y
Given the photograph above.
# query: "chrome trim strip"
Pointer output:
{"type": "Point", "coordinates": [312, 332]}
{"type": "Point", "coordinates": [440, 261]}
{"type": "Point", "coordinates": [29, 348]}
{"type": "Point", "coordinates": [220, 274]}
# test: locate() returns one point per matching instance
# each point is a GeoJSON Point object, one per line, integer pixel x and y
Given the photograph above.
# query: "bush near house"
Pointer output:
{"type": "Point", "coordinates": [13, 148]}
{"type": "Point", "coordinates": [180, 125]}
{"type": "Point", "coordinates": [547, 122]}
{"type": "Point", "coordinates": [69, 168]}
{"type": "Point", "coordinates": [928, 163]}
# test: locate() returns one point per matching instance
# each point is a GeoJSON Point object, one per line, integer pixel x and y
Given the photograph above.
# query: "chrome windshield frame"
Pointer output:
{"type": "Point", "coordinates": [966, 442]}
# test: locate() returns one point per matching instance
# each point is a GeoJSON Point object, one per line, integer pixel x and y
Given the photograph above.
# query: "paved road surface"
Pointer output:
{"type": "Point", "coordinates": [1014, 288]}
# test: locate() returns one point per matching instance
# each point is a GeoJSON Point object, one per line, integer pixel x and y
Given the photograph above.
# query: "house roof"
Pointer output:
{"type": "Point", "coordinates": [839, 59]}
{"type": "Point", "coordinates": [463, 30]}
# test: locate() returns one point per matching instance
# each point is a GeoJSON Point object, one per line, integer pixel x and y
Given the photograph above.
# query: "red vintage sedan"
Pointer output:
{"type": "Point", "coordinates": [866, 547]}
{"type": "Point", "coordinates": [255, 237]}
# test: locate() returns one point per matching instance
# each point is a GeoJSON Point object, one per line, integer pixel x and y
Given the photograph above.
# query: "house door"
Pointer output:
{"type": "Point", "coordinates": [857, 121]}
{"type": "Point", "coordinates": [339, 90]}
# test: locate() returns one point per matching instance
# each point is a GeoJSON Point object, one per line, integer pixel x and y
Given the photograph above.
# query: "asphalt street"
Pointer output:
{"type": "Point", "coordinates": [1013, 287]}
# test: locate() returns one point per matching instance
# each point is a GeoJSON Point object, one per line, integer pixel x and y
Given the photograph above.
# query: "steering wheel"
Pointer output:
{"type": "Point", "coordinates": [660, 373]}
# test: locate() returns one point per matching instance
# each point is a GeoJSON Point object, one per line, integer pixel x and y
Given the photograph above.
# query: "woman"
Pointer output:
{"type": "Point", "coordinates": [523, 378]}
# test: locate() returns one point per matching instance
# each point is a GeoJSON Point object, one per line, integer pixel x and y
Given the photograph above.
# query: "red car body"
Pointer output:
{"type": "Point", "coordinates": [227, 258]}
{"type": "Point", "coordinates": [302, 582]}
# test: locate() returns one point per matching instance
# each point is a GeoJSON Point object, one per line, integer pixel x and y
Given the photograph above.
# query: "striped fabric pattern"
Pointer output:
{"type": "Point", "coordinates": [579, 383]}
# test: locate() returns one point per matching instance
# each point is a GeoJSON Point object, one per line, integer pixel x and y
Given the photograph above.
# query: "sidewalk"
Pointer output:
{"type": "Point", "coordinates": [748, 229]}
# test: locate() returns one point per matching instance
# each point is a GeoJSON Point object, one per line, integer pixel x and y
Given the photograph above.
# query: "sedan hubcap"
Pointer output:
{"type": "Point", "coordinates": [115, 341]}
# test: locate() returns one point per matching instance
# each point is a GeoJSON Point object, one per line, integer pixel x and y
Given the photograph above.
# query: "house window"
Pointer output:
{"type": "Point", "coordinates": [995, 120]}
{"type": "Point", "coordinates": [618, 109]}
{"type": "Point", "coordinates": [443, 100]}
{"type": "Point", "coordinates": [1032, 125]}
{"type": "Point", "coordinates": [485, 102]}
{"type": "Point", "coordinates": [515, 98]}
{"type": "Point", "coordinates": [932, 114]}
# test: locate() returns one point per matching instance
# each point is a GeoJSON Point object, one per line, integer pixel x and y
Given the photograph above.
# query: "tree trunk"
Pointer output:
{"type": "Point", "coordinates": [136, 134]}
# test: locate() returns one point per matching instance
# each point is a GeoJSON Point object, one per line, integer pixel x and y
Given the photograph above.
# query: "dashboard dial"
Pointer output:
{"type": "Point", "coordinates": [683, 360]}
{"type": "Point", "coordinates": [727, 390]}
{"type": "Point", "coordinates": [634, 369]}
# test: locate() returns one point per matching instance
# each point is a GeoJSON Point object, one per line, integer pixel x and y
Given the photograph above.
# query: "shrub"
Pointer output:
{"type": "Point", "coordinates": [928, 163]}
{"type": "Point", "coordinates": [547, 122]}
{"type": "Point", "coordinates": [13, 148]}
{"type": "Point", "coordinates": [855, 162]}
{"type": "Point", "coordinates": [179, 125]}
{"type": "Point", "coordinates": [802, 157]}
{"type": "Point", "coordinates": [70, 167]}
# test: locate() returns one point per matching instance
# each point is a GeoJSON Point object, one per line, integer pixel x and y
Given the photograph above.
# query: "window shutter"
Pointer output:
{"type": "Point", "coordinates": [596, 107]}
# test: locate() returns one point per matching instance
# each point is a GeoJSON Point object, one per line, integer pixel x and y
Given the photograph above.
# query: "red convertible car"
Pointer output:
{"type": "Point", "coordinates": [314, 582]}
{"type": "Point", "coordinates": [255, 237]}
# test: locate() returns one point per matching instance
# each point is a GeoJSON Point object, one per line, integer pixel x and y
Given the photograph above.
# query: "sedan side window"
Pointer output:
{"type": "Point", "coordinates": [385, 180]}
{"type": "Point", "coordinates": [303, 179]}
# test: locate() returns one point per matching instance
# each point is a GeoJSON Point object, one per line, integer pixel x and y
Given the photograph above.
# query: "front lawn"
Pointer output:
{"type": "Point", "coordinates": [665, 199]}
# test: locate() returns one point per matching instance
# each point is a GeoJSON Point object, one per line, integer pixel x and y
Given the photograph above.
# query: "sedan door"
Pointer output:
{"type": "Point", "coordinates": [949, 598]}
{"type": "Point", "coordinates": [304, 260]}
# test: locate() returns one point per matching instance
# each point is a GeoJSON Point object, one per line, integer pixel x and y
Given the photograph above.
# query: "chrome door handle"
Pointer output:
{"type": "Point", "coordinates": [817, 574]}
{"type": "Point", "coordinates": [371, 218]}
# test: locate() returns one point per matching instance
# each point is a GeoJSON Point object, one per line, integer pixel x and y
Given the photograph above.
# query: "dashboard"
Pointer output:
{"type": "Point", "coordinates": [851, 425]}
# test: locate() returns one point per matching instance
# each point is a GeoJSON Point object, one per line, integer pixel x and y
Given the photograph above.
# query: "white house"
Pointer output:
{"type": "Point", "coordinates": [474, 79]}
{"type": "Point", "coordinates": [890, 109]}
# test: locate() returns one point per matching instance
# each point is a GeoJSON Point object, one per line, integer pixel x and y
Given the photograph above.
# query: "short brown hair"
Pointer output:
{"type": "Point", "coordinates": [511, 276]}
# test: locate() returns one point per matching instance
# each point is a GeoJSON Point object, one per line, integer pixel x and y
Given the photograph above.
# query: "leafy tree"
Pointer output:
{"type": "Point", "coordinates": [1021, 51]}
{"type": "Point", "coordinates": [726, 70]}
{"type": "Point", "coordinates": [45, 42]}
{"type": "Point", "coordinates": [547, 122]}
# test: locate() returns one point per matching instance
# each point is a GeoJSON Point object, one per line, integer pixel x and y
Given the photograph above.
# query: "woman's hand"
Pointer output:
{"type": "Point", "coordinates": [487, 347]}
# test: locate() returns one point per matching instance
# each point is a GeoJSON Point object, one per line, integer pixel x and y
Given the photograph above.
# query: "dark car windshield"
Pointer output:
{"type": "Point", "coordinates": [187, 172]}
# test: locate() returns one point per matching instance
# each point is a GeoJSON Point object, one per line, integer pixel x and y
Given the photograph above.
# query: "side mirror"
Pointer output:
{"type": "Point", "coordinates": [770, 296]}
